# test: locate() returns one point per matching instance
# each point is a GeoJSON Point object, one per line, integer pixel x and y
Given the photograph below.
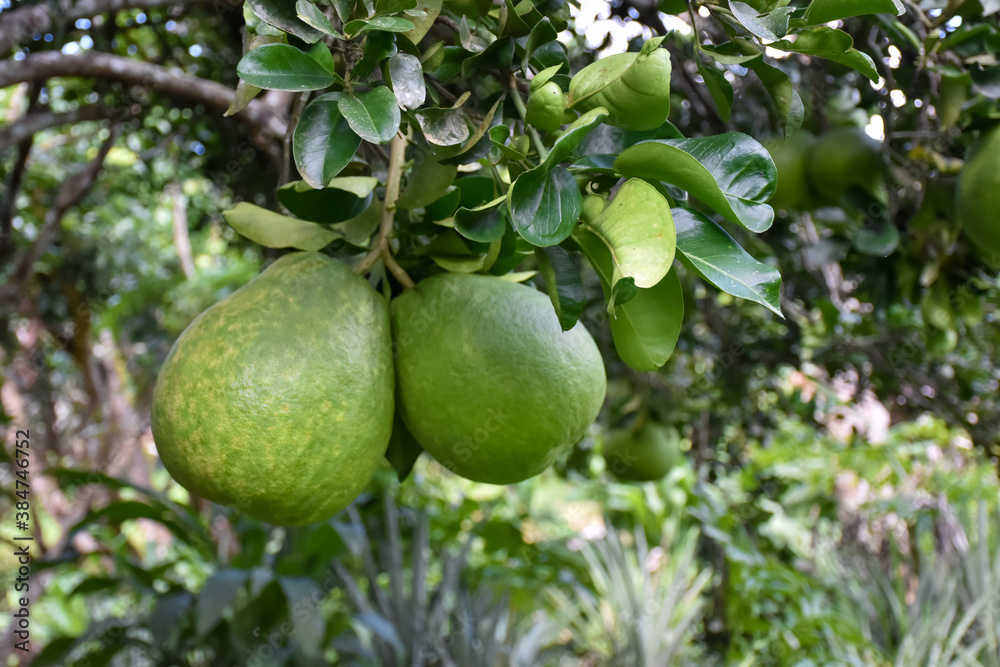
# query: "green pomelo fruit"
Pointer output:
{"type": "Point", "coordinates": [644, 455]}
{"type": "Point", "coordinates": [278, 400]}
{"type": "Point", "coordinates": [487, 381]}
{"type": "Point", "coordinates": [841, 158]}
{"type": "Point", "coordinates": [793, 191]}
{"type": "Point", "coordinates": [978, 204]}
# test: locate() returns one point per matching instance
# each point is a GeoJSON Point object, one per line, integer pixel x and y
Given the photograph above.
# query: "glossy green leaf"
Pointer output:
{"type": "Point", "coordinates": [730, 172]}
{"type": "Point", "coordinates": [563, 282]}
{"type": "Point", "coordinates": [282, 14]}
{"type": "Point", "coordinates": [638, 230]}
{"type": "Point", "coordinates": [770, 25]}
{"type": "Point", "coordinates": [573, 135]}
{"type": "Point", "coordinates": [544, 205]}
{"type": "Point", "coordinates": [428, 180]}
{"type": "Point", "coordinates": [633, 87]}
{"type": "Point", "coordinates": [787, 103]}
{"type": "Point", "coordinates": [832, 44]}
{"type": "Point", "coordinates": [358, 230]}
{"type": "Point", "coordinates": [499, 135]}
{"type": "Point", "coordinates": [541, 33]}
{"type": "Point", "coordinates": [283, 67]}
{"type": "Point", "coordinates": [344, 9]}
{"type": "Point", "coordinates": [326, 205]}
{"type": "Point", "coordinates": [273, 230]}
{"type": "Point", "coordinates": [374, 116]}
{"type": "Point", "coordinates": [302, 593]}
{"type": "Point", "coordinates": [218, 594]}
{"type": "Point", "coordinates": [421, 24]}
{"type": "Point", "coordinates": [722, 262]}
{"type": "Point", "coordinates": [315, 18]}
{"type": "Point", "coordinates": [728, 53]}
{"type": "Point", "coordinates": [323, 142]}
{"type": "Point", "coordinates": [485, 223]}
{"type": "Point", "coordinates": [824, 11]}
{"type": "Point", "coordinates": [403, 450]}
{"type": "Point", "coordinates": [720, 89]}
{"type": "Point", "coordinates": [379, 23]}
{"type": "Point", "coordinates": [646, 328]}
{"type": "Point", "coordinates": [443, 127]}
{"type": "Point", "coordinates": [407, 77]}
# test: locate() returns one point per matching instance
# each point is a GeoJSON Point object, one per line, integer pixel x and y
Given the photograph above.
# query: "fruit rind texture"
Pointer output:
{"type": "Point", "coordinates": [278, 400]}
{"type": "Point", "coordinates": [487, 381]}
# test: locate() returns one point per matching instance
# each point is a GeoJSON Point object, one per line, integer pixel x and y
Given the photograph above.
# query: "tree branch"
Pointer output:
{"type": "Point", "coordinates": [13, 183]}
{"type": "Point", "coordinates": [19, 25]}
{"type": "Point", "coordinates": [36, 122]}
{"type": "Point", "coordinates": [265, 124]}
{"type": "Point", "coordinates": [72, 191]}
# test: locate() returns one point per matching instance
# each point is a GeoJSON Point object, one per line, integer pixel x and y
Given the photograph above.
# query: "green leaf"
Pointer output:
{"type": "Point", "coordinates": [380, 23]}
{"type": "Point", "coordinates": [722, 262]}
{"type": "Point", "coordinates": [428, 180]}
{"type": "Point", "coordinates": [728, 53]}
{"type": "Point", "coordinates": [326, 205]}
{"type": "Point", "coordinates": [55, 652]}
{"type": "Point", "coordinates": [273, 230]}
{"type": "Point", "coordinates": [771, 25]}
{"type": "Point", "coordinates": [283, 67]}
{"type": "Point", "coordinates": [542, 33]}
{"type": "Point", "coordinates": [374, 115]}
{"type": "Point", "coordinates": [720, 89]}
{"type": "Point", "coordinates": [824, 11]}
{"type": "Point", "coordinates": [312, 16]}
{"type": "Point", "coordinates": [218, 594]}
{"type": "Point", "coordinates": [499, 135]}
{"type": "Point", "coordinates": [787, 103]}
{"type": "Point", "coordinates": [564, 284]}
{"type": "Point", "coordinates": [166, 616]}
{"type": "Point", "coordinates": [95, 585]}
{"type": "Point", "coordinates": [407, 77]}
{"type": "Point", "coordinates": [443, 127]}
{"type": "Point", "coordinates": [358, 230]}
{"type": "Point", "coordinates": [633, 87]}
{"type": "Point", "coordinates": [573, 135]}
{"type": "Point", "coordinates": [303, 597]}
{"type": "Point", "coordinates": [323, 142]}
{"type": "Point", "coordinates": [646, 328]}
{"type": "Point", "coordinates": [484, 223]}
{"type": "Point", "coordinates": [421, 24]}
{"type": "Point", "coordinates": [403, 450]}
{"type": "Point", "coordinates": [639, 232]}
{"type": "Point", "coordinates": [281, 14]}
{"type": "Point", "coordinates": [730, 172]}
{"type": "Point", "coordinates": [832, 44]}
{"type": "Point", "coordinates": [544, 205]}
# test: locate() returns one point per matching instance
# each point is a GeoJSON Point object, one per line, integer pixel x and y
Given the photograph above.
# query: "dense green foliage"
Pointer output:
{"type": "Point", "coordinates": [836, 500]}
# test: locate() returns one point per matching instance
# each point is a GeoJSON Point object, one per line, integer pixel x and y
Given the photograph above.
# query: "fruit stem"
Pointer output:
{"type": "Point", "coordinates": [397, 156]}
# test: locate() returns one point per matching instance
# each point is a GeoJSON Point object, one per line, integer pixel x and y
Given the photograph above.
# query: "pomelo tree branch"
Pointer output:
{"type": "Point", "coordinates": [397, 156]}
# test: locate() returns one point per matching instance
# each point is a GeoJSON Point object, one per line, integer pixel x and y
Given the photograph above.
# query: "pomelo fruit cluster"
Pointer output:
{"type": "Point", "coordinates": [279, 400]}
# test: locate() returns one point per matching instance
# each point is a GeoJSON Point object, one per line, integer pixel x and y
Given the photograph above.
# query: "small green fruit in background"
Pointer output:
{"type": "Point", "coordinates": [841, 158]}
{"type": "Point", "coordinates": [978, 204]}
{"type": "Point", "coordinates": [546, 106]}
{"type": "Point", "coordinates": [794, 191]}
{"type": "Point", "coordinates": [642, 455]}
{"type": "Point", "coordinates": [278, 400]}
{"type": "Point", "coordinates": [487, 381]}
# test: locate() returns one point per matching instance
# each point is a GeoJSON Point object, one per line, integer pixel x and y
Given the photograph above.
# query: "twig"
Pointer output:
{"type": "Point", "coordinates": [397, 157]}
{"type": "Point", "coordinates": [286, 146]}
{"type": "Point", "coordinates": [16, 174]}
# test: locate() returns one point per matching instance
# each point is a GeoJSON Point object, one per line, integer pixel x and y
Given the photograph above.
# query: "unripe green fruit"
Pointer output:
{"type": "Point", "coordinates": [546, 106]}
{"type": "Point", "coordinates": [794, 191]}
{"type": "Point", "coordinates": [978, 193]}
{"type": "Point", "coordinates": [278, 400]}
{"type": "Point", "coordinates": [841, 158]}
{"type": "Point", "coordinates": [644, 455]}
{"type": "Point", "coordinates": [487, 381]}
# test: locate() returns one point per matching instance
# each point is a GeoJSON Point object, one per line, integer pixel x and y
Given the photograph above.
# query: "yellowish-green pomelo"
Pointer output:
{"type": "Point", "coordinates": [794, 191]}
{"type": "Point", "coordinates": [644, 455]}
{"type": "Point", "coordinates": [487, 381]}
{"type": "Point", "coordinates": [278, 400]}
{"type": "Point", "coordinates": [843, 157]}
{"type": "Point", "coordinates": [978, 202]}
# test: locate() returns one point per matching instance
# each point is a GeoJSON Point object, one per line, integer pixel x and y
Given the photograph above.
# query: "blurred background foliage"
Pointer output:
{"type": "Point", "coordinates": [836, 501]}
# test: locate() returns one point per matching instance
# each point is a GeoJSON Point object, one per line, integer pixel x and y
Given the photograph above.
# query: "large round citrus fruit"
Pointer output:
{"type": "Point", "coordinates": [278, 400]}
{"type": "Point", "coordinates": [978, 203]}
{"type": "Point", "coordinates": [843, 157]}
{"type": "Point", "coordinates": [644, 455]}
{"type": "Point", "coordinates": [487, 381]}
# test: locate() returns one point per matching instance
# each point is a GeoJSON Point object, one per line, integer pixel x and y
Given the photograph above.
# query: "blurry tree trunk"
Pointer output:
{"type": "Point", "coordinates": [182, 241]}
